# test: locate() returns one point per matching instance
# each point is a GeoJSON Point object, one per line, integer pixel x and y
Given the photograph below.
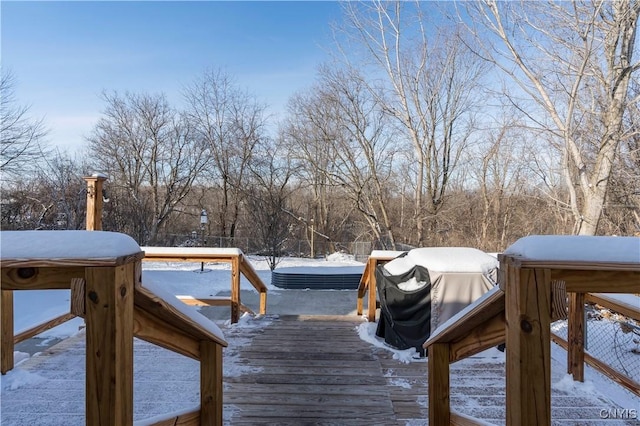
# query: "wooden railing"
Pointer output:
{"type": "Point", "coordinates": [95, 185]}
{"type": "Point", "coordinates": [240, 265]}
{"type": "Point", "coordinates": [103, 271]}
{"type": "Point", "coordinates": [368, 281]}
{"type": "Point", "coordinates": [576, 355]}
{"type": "Point", "coordinates": [519, 313]}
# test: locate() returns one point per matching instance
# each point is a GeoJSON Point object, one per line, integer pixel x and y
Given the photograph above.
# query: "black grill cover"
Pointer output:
{"type": "Point", "coordinates": [405, 316]}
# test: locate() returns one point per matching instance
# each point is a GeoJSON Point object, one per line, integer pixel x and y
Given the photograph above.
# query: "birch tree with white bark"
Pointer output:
{"type": "Point", "coordinates": [570, 66]}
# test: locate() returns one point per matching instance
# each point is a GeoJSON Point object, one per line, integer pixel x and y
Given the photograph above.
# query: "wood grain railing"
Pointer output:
{"type": "Point", "coordinates": [8, 340]}
{"type": "Point", "coordinates": [240, 266]}
{"type": "Point", "coordinates": [368, 281]}
{"type": "Point", "coordinates": [103, 271]}
{"type": "Point", "coordinates": [520, 312]}
{"type": "Point", "coordinates": [577, 357]}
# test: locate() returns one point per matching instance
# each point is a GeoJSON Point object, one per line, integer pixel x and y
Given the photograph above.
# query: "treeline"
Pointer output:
{"type": "Point", "coordinates": [457, 127]}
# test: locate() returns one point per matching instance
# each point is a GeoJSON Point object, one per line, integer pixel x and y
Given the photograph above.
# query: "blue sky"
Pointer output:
{"type": "Point", "coordinates": [64, 54]}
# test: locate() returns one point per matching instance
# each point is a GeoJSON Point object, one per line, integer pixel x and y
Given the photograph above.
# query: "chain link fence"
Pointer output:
{"type": "Point", "coordinates": [292, 248]}
{"type": "Point", "coordinates": [610, 338]}
{"type": "Point", "coordinates": [613, 339]}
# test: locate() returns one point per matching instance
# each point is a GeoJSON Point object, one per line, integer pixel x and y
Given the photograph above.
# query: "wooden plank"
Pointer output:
{"type": "Point", "coordinates": [487, 335]}
{"type": "Point", "coordinates": [576, 336]}
{"type": "Point", "coordinates": [252, 276]}
{"type": "Point", "coordinates": [458, 419]}
{"type": "Point", "coordinates": [599, 281]}
{"type": "Point", "coordinates": [94, 202]}
{"type": "Point", "coordinates": [559, 300]}
{"type": "Point", "coordinates": [109, 335]}
{"type": "Point", "coordinates": [528, 341]}
{"type": "Point", "coordinates": [155, 330]}
{"type": "Point", "coordinates": [186, 419]}
{"type": "Point", "coordinates": [67, 263]}
{"type": "Point", "coordinates": [305, 397]}
{"type": "Point", "coordinates": [363, 286]}
{"type": "Point", "coordinates": [78, 296]}
{"type": "Point", "coordinates": [155, 306]}
{"type": "Point", "coordinates": [192, 254]}
{"type": "Point", "coordinates": [471, 317]}
{"type": "Point", "coordinates": [347, 413]}
{"type": "Point", "coordinates": [605, 369]}
{"type": "Point", "coordinates": [202, 301]}
{"type": "Point", "coordinates": [39, 278]}
{"type": "Point", "coordinates": [6, 336]}
{"type": "Point", "coordinates": [210, 383]}
{"type": "Point", "coordinates": [371, 316]}
{"type": "Point", "coordinates": [235, 290]}
{"type": "Point", "coordinates": [576, 265]}
{"type": "Point", "coordinates": [615, 305]}
{"type": "Point", "coordinates": [239, 388]}
{"type": "Point", "coordinates": [34, 331]}
{"type": "Point", "coordinates": [439, 386]}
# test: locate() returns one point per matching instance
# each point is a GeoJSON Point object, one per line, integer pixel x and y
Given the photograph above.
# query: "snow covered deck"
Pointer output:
{"type": "Point", "coordinates": [293, 370]}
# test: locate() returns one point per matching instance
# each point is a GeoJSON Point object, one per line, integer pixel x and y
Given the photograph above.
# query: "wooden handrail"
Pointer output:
{"type": "Point", "coordinates": [522, 316]}
{"type": "Point", "coordinates": [103, 271]}
{"type": "Point", "coordinates": [41, 328]}
{"type": "Point", "coordinates": [614, 375]}
{"type": "Point", "coordinates": [479, 326]}
{"type": "Point", "coordinates": [160, 323]}
{"type": "Point", "coordinates": [614, 304]}
{"type": "Point", "coordinates": [171, 326]}
{"type": "Point", "coordinates": [239, 266]}
{"type": "Point", "coordinates": [368, 280]}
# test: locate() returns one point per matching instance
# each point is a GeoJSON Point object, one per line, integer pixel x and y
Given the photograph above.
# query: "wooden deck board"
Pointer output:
{"type": "Point", "coordinates": [292, 371]}
{"type": "Point", "coordinates": [311, 370]}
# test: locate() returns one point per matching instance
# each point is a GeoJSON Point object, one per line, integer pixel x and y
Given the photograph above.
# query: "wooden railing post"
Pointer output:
{"type": "Point", "coordinates": [94, 201]}
{"type": "Point", "coordinates": [372, 289]}
{"type": "Point", "coordinates": [528, 340]}
{"type": "Point", "coordinates": [439, 386]}
{"type": "Point", "coordinates": [211, 383]}
{"type": "Point", "coordinates": [6, 339]}
{"type": "Point", "coordinates": [576, 336]}
{"type": "Point", "coordinates": [235, 289]}
{"type": "Point", "coordinates": [109, 298]}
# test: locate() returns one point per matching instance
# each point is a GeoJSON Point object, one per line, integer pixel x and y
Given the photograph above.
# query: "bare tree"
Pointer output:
{"type": "Point", "coordinates": [428, 81]}
{"type": "Point", "coordinates": [153, 159]}
{"type": "Point", "coordinates": [500, 167]}
{"type": "Point", "coordinates": [21, 136]}
{"type": "Point", "coordinates": [340, 124]}
{"type": "Point", "coordinates": [571, 64]}
{"type": "Point", "coordinates": [305, 134]}
{"type": "Point", "coordinates": [268, 198]}
{"type": "Point", "coordinates": [231, 122]}
{"type": "Point", "coordinates": [61, 182]}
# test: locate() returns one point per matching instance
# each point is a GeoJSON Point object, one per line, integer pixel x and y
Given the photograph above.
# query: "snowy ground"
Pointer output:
{"type": "Point", "coordinates": [33, 307]}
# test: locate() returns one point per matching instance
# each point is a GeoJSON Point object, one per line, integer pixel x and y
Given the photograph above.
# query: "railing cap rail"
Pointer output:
{"type": "Point", "coordinates": [576, 250]}
{"type": "Point", "coordinates": [66, 248]}
{"type": "Point", "coordinates": [190, 251]}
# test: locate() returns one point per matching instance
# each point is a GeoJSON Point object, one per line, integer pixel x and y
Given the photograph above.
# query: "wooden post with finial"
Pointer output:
{"type": "Point", "coordinates": [94, 201]}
